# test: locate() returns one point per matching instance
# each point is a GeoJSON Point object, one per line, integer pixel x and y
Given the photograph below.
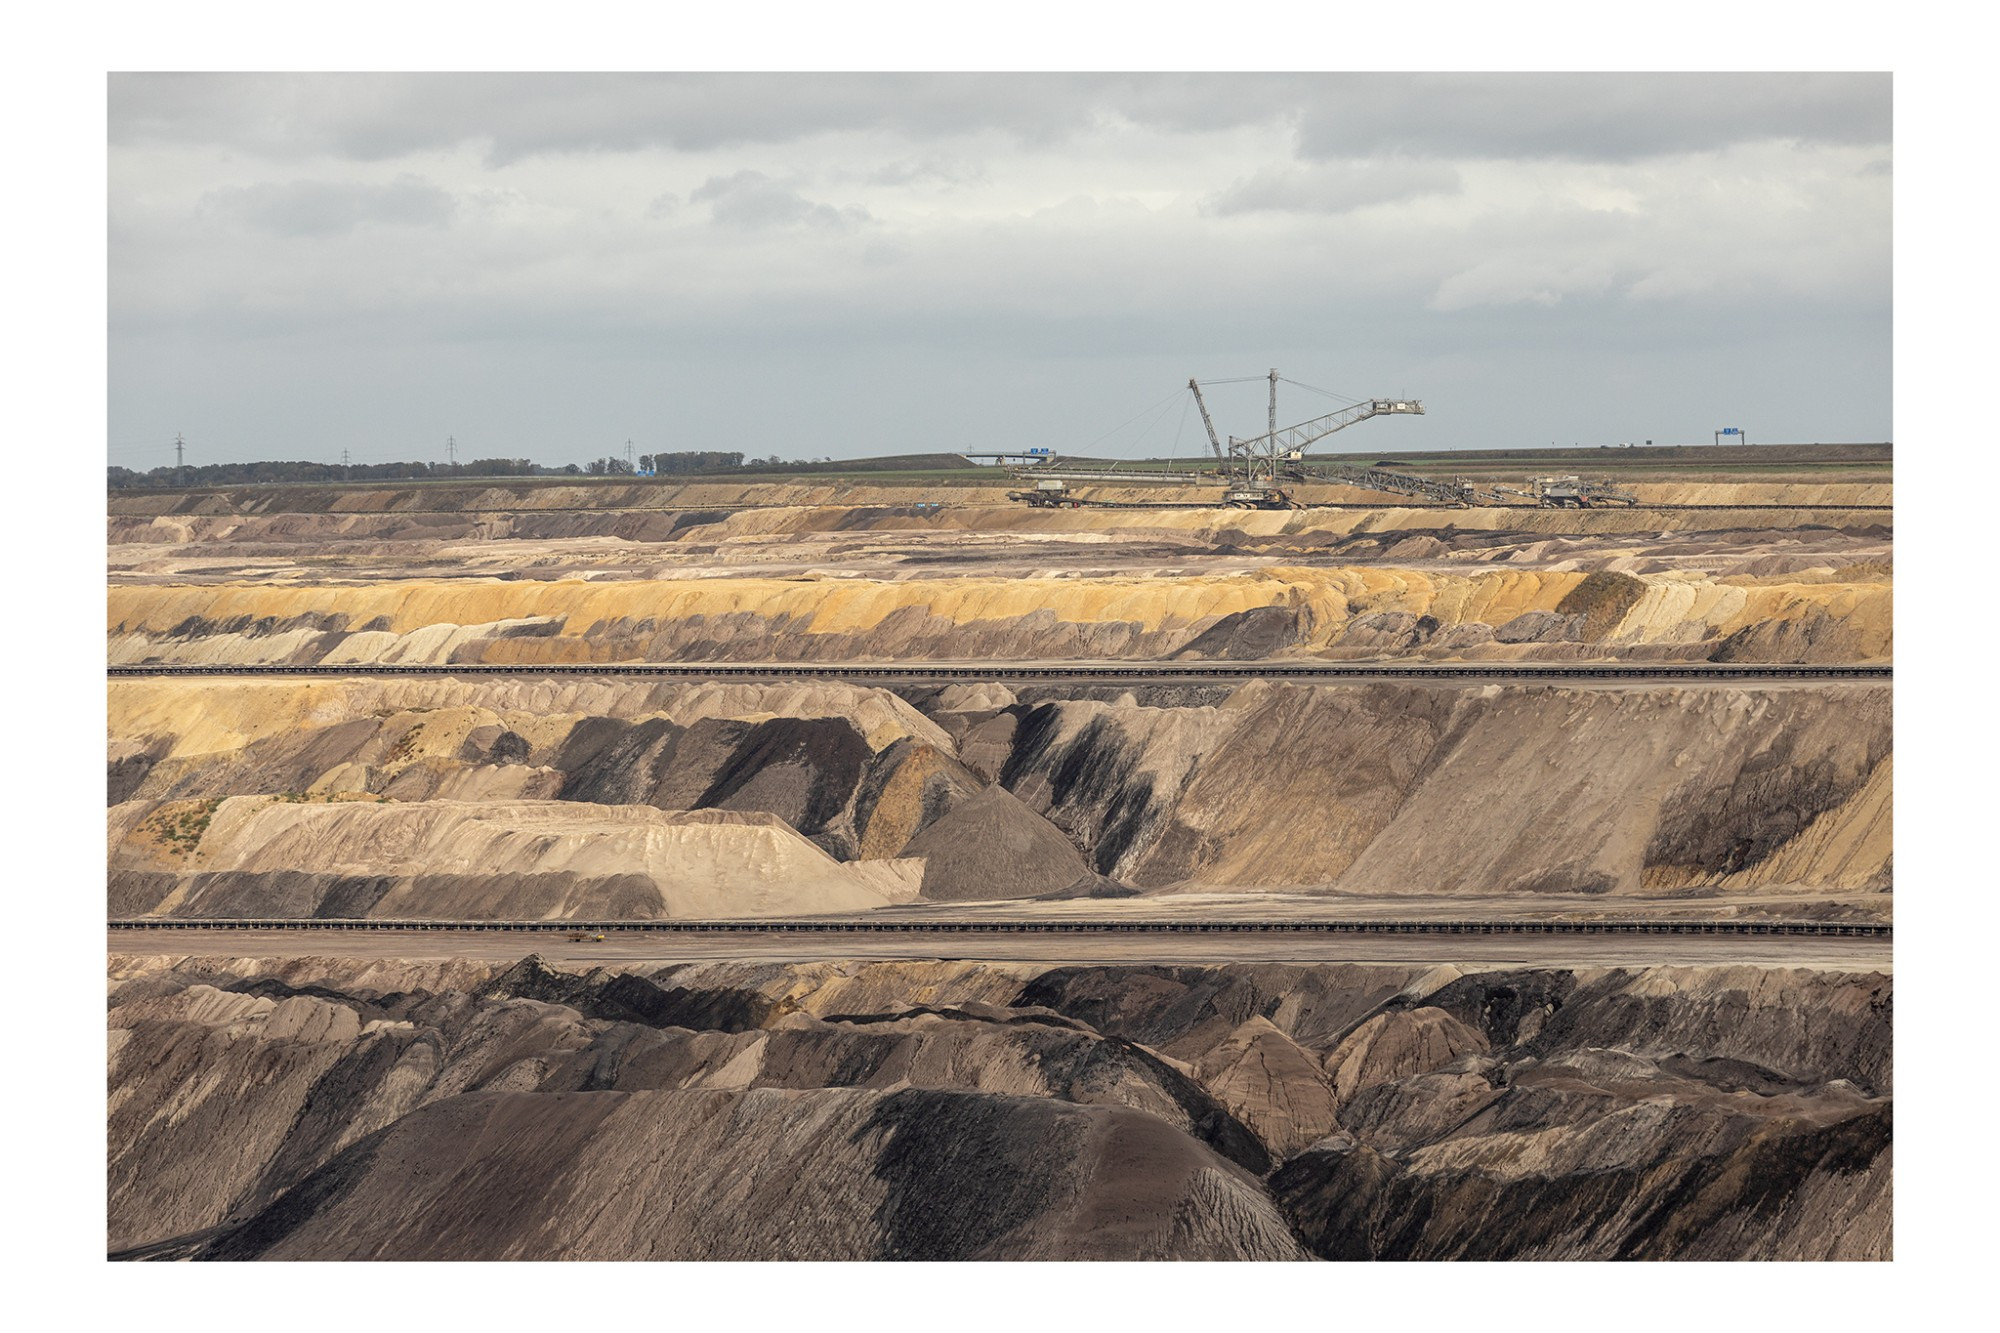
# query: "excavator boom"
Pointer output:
{"type": "Point", "coordinates": [1294, 440]}
{"type": "Point", "coordinates": [1213, 442]}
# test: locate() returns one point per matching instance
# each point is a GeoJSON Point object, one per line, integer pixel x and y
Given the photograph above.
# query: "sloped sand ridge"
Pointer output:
{"type": "Point", "coordinates": [501, 860]}
{"type": "Point", "coordinates": [1358, 613]}
{"type": "Point", "coordinates": [219, 715]}
{"type": "Point", "coordinates": [857, 771]}
{"type": "Point", "coordinates": [1381, 789]}
{"type": "Point", "coordinates": [959, 1110]}
{"type": "Point", "coordinates": [1395, 789]}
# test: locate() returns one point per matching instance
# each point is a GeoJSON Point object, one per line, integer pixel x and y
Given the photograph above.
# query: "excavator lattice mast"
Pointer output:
{"type": "Point", "coordinates": [1271, 419]}
{"type": "Point", "coordinates": [1214, 441]}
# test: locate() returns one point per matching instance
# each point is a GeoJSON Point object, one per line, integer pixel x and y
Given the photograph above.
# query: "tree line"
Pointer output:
{"type": "Point", "coordinates": [665, 465]}
{"type": "Point", "coordinates": [246, 474]}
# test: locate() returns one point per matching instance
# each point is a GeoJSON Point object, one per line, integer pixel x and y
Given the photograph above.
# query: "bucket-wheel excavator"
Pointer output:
{"type": "Point", "coordinates": [1254, 467]}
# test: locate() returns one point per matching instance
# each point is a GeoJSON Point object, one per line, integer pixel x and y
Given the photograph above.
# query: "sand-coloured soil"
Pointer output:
{"type": "Point", "coordinates": [503, 860]}
{"type": "Point", "coordinates": [1382, 789]}
{"type": "Point", "coordinates": [447, 544]}
{"type": "Point", "coordinates": [1362, 612]}
{"type": "Point", "coordinates": [1415, 790]}
{"type": "Point", "coordinates": [329, 550]}
{"type": "Point", "coordinates": [857, 771]}
{"type": "Point", "coordinates": [371, 1107]}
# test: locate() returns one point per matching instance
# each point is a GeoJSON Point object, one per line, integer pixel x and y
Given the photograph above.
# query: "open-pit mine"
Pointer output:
{"type": "Point", "coordinates": [439, 929]}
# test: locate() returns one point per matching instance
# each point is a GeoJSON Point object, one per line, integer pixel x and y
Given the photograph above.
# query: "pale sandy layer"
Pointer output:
{"type": "Point", "coordinates": [700, 864]}
{"type": "Point", "coordinates": [430, 621]}
{"type": "Point", "coordinates": [212, 718]}
{"type": "Point", "coordinates": [1371, 789]}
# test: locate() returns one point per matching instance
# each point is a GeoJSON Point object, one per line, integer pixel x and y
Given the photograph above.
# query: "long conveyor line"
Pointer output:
{"type": "Point", "coordinates": [933, 507]}
{"type": "Point", "coordinates": [1151, 672]}
{"type": "Point", "coordinates": [961, 927]}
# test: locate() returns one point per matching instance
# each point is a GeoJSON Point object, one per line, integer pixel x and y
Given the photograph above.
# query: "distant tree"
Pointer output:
{"type": "Point", "coordinates": [309, 473]}
{"type": "Point", "coordinates": [702, 460]}
{"type": "Point", "coordinates": [264, 473]}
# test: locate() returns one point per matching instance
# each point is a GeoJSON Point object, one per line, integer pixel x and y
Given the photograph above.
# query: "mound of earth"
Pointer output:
{"type": "Point", "coordinates": [990, 846]}
{"type": "Point", "coordinates": [494, 860]}
{"type": "Point", "coordinates": [858, 771]}
{"type": "Point", "coordinates": [821, 1175]}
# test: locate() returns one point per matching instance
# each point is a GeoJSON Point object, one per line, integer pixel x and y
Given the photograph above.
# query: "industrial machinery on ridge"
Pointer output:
{"type": "Point", "coordinates": [1253, 471]}
{"type": "Point", "coordinates": [1253, 467]}
{"type": "Point", "coordinates": [1570, 492]}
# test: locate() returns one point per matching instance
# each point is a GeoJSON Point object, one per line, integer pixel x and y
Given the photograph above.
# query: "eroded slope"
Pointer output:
{"type": "Point", "coordinates": [1356, 613]}
{"type": "Point", "coordinates": [964, 1110]}
{"type": "Point", "coordinates": [271, 798]}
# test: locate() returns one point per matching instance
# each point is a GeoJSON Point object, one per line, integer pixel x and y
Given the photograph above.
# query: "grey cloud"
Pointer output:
{"type": "Point", "coordinates": [1592, 117]}
{"type": "Point", "coordinates": [1332, 189]}
{"type": "Point", "coordinates": [325, 208]}
{"type": "Point", "coordinates": [1583, 116]}
{"type": "Point", "coordinates": [924, 171]}
{"type": "Point", "coordinates": [1575, 298]}
{"type": "Point", "coordinates": [371, 117]}
{"type": "Point", "coordinates": [752, 201]}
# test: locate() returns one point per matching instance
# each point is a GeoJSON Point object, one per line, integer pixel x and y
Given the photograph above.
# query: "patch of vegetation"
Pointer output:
{"type": "Point", "coordinates": [406, 744]}
{"type": "Point", "coordinates": [179, 828]}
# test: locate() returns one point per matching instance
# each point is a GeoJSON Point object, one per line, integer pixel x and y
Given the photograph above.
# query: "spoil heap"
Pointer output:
{"type": "Point", "coordinates": [963, 1111]}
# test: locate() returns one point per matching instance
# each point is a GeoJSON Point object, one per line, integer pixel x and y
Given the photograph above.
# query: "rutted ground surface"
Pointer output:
{"type": "Point", "coordinates": [965, 1110]}
{"type": "Point", "coordinates": [269, 798]}
{"type": "Point", "coordinates": [1364, 612]}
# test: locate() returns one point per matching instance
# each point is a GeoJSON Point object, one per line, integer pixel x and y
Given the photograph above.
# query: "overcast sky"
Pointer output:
{"type": "Point", "coordinates": [546, 266]}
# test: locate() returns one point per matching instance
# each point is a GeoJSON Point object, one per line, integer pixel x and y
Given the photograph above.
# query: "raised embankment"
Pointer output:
{"type": "Point", "coordinates": [1335, 613]}
{"type": "Point", "coordinates": [332, 797]}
